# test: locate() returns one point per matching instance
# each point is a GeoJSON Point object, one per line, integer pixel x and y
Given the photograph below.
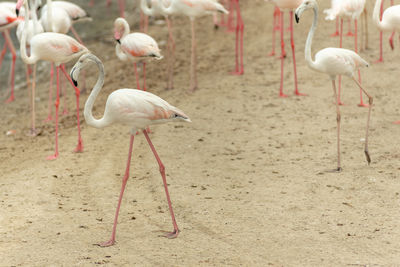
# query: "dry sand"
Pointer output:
{"type": "Point", "coordinates": [247, 178]}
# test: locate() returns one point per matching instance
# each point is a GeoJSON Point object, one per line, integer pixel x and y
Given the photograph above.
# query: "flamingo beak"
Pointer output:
{"type": "Point", "coordinates": [297, 18]}
{"type": "Point", "coordinates": [71, 74]}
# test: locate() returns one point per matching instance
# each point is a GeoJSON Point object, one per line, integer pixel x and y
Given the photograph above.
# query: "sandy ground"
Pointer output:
{"type": "Point", "coordinates": [247, 178]}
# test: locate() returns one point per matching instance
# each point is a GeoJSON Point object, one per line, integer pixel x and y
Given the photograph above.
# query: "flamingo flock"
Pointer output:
{"type": "Point", "coordinates": [47, 39]}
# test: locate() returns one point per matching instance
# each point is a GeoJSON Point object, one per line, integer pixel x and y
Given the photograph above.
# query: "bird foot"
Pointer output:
{"type": "Point", "coordinates": [340, 103]}
{"type": "Point", "coordinates": [391, 44]}
{"type": "Point", "coordinates": [33, 132]}
{"type": "Point", "coordinates": [271, 54]}
{"type": "Point", "coordinates": [282, 95]}
{"type": "Point", "coordinates": [335, 34]}
{"type": "Point", "coordinates": [108, 243]}
{"type": "Point", "coordinates": [282, 56]}
{"type": "Point", "coordinates": [48, 119]}
{"type": "Point", "coordinates": [396, 122]}
{"type": "Point", "coordinates": [299, 94]}
{"type": "Point", "coordinates": [79, 147]}
{"type": "Point", "coordinates": [349, 34]}
{"type": "Point", "coordinates": [193, 89]}
{"type": "Point", "coordinates": [171, 235]}
{"type": "Point", "coordinates": [367, 156]}
{"type": "Point", "coordinates": [379, 60]}
{"type": "Point", "coordinates": [337, 170]}
{"type": "Point", "coordinates": [52, 157]}
{"type": "Point", "coordinates": [10, 99]}
{"type": "Point", "coordinates": [237, 73]}
{"type": "Point", "coordinates": [65, 112]}
{"type": "Point", "coordinates": [363, 105]}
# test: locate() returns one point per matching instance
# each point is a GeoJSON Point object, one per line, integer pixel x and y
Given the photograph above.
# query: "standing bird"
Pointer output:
{"type": "Point", "coordinates": [156, 10]}
{"type": "Point", "coordinates": [137, 47]}
{"type": "Point", "coordinates": [334, 61]}
{"type": "Point", "coordinates": [193, 9]}
{"type": "Point", "coordinates": [138, 109]}
{"type": "Point", "coordinates": [288, 5]}
{"type": "Point", "coordinates": [58, 49]}
{"type": "Point", "coordinates": [390, 19]}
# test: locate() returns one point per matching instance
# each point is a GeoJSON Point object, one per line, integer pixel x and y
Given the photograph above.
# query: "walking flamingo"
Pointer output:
{"type": "Point", "coordinates": [334, 61]}
{"type": "Point", "coordinates": [156, 10]}
{"type": "Point", "coordinates": [288, 5]}
{"type": "Point", "coordinates": [137, 47]}
{"type": "Point", "coordinates": [59, 49]}
{"type": "Point", "coordinates": [193, 9]}
{"type": "Point", "coordinates": [390, 19]}
{"type": "Point", "coordinates": [137, 108]}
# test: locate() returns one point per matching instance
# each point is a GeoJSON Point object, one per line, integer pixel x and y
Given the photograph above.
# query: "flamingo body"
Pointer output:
{"type": "Point", "coordinates": [287, 4]}
{"type": "Point", "coordinates": [75, 12]}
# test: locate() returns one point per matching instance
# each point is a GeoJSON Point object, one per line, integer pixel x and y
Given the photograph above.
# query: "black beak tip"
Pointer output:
{"type": "Point", "coordinates": [118, 41]}
{"type": "Point", "coordinates": [297, 18]}
{"type": "Point", "coordinates": [75, 83]}
{"type": "Point", "coordinates": [17, 12]}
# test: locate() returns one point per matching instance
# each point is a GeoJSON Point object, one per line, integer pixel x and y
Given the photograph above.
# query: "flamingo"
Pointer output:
{"type": "Point", "coordinates": [288, 5]}
{"type": "Point", "coordinates": [381, 33]}
{"type": "Point", "coordinates": [334, 61]}
{"type": "Point", "coordinates": [239, 69]}
{"type": "Point", "coordinates": [58, 49]}
{"type": "Point", "coordinates": [137, 47]}
{"type": "Point", "coordinates": [8, 20]}
{"type": "Point", "coordinates": [193, 9]}
{"type": "Point", "coordinates": [156, 10]}
{"type": "Point", "coordinates": [137, 108]}
{"type": "Point", "coordinates": [390, 19]}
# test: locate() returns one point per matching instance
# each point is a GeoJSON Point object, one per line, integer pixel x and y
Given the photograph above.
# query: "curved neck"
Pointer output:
{"type": "Point", "coordinates": [310, 37]}
{"type": "Point", "coordinates": [34, 16]}
{"type": "Point", "coordinates": [50, 15]}
{"type": "Point", "coordinates": [166, 10]}
{"type": "Point", "coordinates": [90, 120]}
{"type": "Point", "coordinates": [120, 54]}
{"type": "Point", "coordinates": [376, 14]}
{"type": "Point", "coordinates": [146, 10]}
{"type": "Point", "coordinates": [126, 29]}
{"type": "Point", "coordinates": [28, 60]}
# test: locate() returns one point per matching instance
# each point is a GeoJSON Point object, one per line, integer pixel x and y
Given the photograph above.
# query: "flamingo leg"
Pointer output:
{"type": "Point", "coordinates": [340, 76]}
{"type": "Point", "coordinates": [380, 38]}
{"type": "Point", "coordinates": [370, 101]}
{"type": "Point", "coordinates": [274, 27]}
{"type": "Point", "coordinates": [391, 40]}
{"type": "Point", "coordinates": [230, 27]}
{"type": "Point", "coordinates": [294, 56]}
{"type": "Point", "coordinates": [108, 3]}
{"type": "Point", "coordinates": [57, 104]}
{"type": "Point", "coordinates": [77, 37]}
{"type": "Point", "coordinates": [49, 117]}
{"type": "Point", "coordinates": [171, 58]}
{"type": "Point", "coordinates": [144, 76]}
{"type": "Point", "coordinates": [361, 104]}
{"type": "Point", "coordinates": [193, 74]}
{"type": "Point", "coordinates": [121, 8]}
{"type": "Point", "coordinates": [338, 119]}
{"type": "Point", "coordinates": [79, 147]}
{"type": "Point", "coordinates": [91, 3]}
{"type": "Point", "coordinates": [3, 53]}
{"type": "Point", "coordinates": [14, 57]}
{"type": "Point", "coordinates": [336, 33]}
{"type": "Point", "coordinates": [239, 42]}
{"type": "Point", "coordinates": [281, 94]}
{"type": "Point", "coordinates": [137, 76]}
{"type": "Point", "coordinates": [64, 93]}
{"type": "Point", "coordinates": [124, 181]}
{"type": "Point", "coordinates": [349, 33]}
{"type": "Point", "coordinates": [175, 233]}
{"type": "Point", "coordinates": [33, 131]}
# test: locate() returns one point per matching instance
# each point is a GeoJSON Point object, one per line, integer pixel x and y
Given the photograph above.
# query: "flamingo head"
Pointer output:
{"type": "Point", "coordinates": [18, 6]}
{"type": "Point", "coordinates": [307, 4]}
{"type": "Point", "coordinates": [121, 28]}
{"type": "Point", "coordinates": [80, 64]}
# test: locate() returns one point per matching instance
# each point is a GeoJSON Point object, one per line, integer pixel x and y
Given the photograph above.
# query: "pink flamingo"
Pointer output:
{"type": "Point", "coordinates": [381, 34]}
{"type": "Point", "coordinates": [137, 108]}
{"type": "Point", "coordinates": [59, 49]}
{"type": "Point", "coordinates": [156, 10]}
{"type": "Point", "coordinates": [334, 61]}
{"type": "Point", "coordinates": [290, 5]}
{"type": "Point", "coordinates": [137, 47]}
{"type": "Point", "coordinates": [8, 20]}
{"type": "Point", "coordinates": [193, 9]}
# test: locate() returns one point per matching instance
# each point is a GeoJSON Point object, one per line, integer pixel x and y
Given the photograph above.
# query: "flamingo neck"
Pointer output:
{"type": "Point", "coordinates": [34, 17]}
{"type": "Point", "coordinates": [146, 10]}
{"type": "Point", "coordinates": [50, 15]}
{"type": "Point", "coordinates": [376, 15]}
{"type": "Point", "coordinates": [310, 37]}
{"type": "Point", "coordinates": [166, 10]}
{"type": "Point", "coordinates": [90, 120]}
{"type": "Point", "coordinates": [28, 60]}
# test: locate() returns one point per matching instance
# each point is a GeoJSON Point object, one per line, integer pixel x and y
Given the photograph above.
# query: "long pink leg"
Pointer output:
{"type": "Point", "coordinates": [361, 104]}
{"type": "Point", "coordinates": [230, 27]}
{"type": "Point", "coordinates": [171, 61]}
{"type": "Point", "coordinates": [193, 73]}
{"type": "Point", "coordinates": [121, 8]}
{"type": "Point", "coordinates": [144, 76]}
{"type": "Point", "coordinates": [64, 93]}
{"type": "Point", "coordinates": [338, 119]}
{"type": "Point", "coordinates": [340, 76]}
{"type": "Point", "coordinates": [294, 56]}
{"type": "Point", "coordinates": [91, 3]}
{"type": "Point", "coordinates": [57, 104]}
{"type": "Point", "coordinates": [349, 33]}
{"type": "Point", "coordinates": [49, 117]}
{"type": "Point", "coordinates": [79, 147]}
{"type": "Point", "coordinates": [3, 53]}
{"type": "Point", "coordinates": [137, 76]}
{"type": "Point", "coordinates": [380, 38]}
{"type": "Point", "coordinates": [336, 33]}
{"type": "Point", "coordinates": [239, 42]}
{"type": "Point", "coordinates": [124, 181]}
{"type": "Point", "coordinates": [14, 57]}
{"type": "Point", "coordinates": [281, 94]}
{"type": "Point", "coordinates": [108, 3]}
{"type": "Point", "coordinates": [33, 131]}
{"type": "Point", "coordinates": [175, 233]}
{"type": "Point", "coordinates": [78, 38]}
{"type": "Point", "coordinates": [391, 40]}
{"type": "Point", "coordinates": [275, 26]}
